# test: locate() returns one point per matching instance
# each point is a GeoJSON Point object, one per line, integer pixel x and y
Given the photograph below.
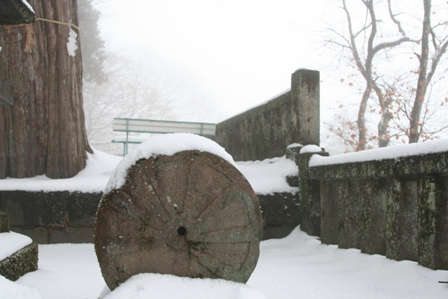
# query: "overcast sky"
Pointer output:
{"type": "Point", "coordinates": [241, 53]}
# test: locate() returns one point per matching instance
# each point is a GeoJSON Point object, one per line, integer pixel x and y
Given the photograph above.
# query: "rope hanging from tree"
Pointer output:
{"type": "Point", "coordinates": [30, 31]}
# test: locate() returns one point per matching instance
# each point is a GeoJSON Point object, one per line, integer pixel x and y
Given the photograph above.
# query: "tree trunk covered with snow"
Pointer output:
{"type": "Point", "coordinates": [44, 131]}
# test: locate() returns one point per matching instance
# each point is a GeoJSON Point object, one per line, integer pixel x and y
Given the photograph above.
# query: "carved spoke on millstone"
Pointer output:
{"type": "Point", "coordinates": [191, 214]}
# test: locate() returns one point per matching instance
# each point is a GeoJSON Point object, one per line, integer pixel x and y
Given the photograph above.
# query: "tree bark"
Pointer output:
{"type": "Point", "coordinates": [44, 131]}
{"type": "Point", "coordinates": [414, 131]}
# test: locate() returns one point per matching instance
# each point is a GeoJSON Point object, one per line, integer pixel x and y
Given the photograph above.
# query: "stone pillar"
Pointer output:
{"type": "Point", "coordinates": [309, 194]}
{"type": "Point", "coordinates": [4, 222]}
{"type": "Point", "coordinates": [305, 93]}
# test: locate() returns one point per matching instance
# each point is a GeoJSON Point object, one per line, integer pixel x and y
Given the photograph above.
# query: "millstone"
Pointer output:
{"type": "Point", "coordinates": [192, 214]}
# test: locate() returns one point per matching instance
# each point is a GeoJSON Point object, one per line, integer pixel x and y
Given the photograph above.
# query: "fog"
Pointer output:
{"type": "Point", "coordinates": [213, 59]}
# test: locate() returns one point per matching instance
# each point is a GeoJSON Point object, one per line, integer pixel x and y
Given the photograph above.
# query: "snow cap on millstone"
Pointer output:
{"type": "Point", "coordinates": [167, 145]}
{"type": "Point", "coordinates": [178, 205]}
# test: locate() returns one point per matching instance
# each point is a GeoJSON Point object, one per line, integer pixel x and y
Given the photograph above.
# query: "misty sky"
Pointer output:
{"type": "Point", "coordinates": [241, 53]}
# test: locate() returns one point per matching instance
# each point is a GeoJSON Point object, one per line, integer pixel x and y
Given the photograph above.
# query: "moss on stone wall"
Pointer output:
{"type": "Point", "coordinates": [396, 207]}
{"type": "Point", "coordinates": [265, 131]}
{"type": "Point", "coordinates": [4, 222]}
{"type": "Point", "coordinates": [23, 261]}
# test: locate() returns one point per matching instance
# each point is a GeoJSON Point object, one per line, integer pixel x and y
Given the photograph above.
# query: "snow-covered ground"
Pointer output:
{"type": "Point", "coordinates": [298, 266]}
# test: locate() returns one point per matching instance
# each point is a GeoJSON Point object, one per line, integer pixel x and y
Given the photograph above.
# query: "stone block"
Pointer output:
{"type": "Point", "coordinates": [426, 221]}
{"type": "Point", "coordinates": [23, 261]}
{"type": "Point", "coordinates": [408, 222]}
{"type": "Point", "coordinates": [330, 214]}
{"type": "Point", "coordinates": [4, 222]}
{"type": "Point", "coordinates": [349, 209]}
{"type": "Point", "coordinates": [441, 223]}
{"type": "Point", "coordinates": [373, 216]}
{"type": "Point", "coordinates": [283, 209]}
{"type": "Point", "coordinates": [82, 208]}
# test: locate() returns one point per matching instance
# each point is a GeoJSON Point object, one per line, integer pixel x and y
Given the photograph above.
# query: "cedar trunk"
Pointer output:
{"type": "Point", "coordinates": [44, 131]}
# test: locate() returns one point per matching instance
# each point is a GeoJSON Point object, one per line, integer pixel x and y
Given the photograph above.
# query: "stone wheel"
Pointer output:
{"type": "Point", "coordinates": [191, 214]}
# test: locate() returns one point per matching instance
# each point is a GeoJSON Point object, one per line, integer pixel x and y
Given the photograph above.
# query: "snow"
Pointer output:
{"type": "Point", "coordinates": [269, 176]}
{"type": "Point", "coordinates": [12, 290]}
{"type": "Point", "coordinates": [298, 266]}
{"type": "Point", "coordinates": [71, 44]}
{"type": "Point", "coordinates": [173, 287]}
{"type": "Point", "coordinates": [294, 145]}
{"type": "Point", "coordinates": [168, 145]}
{"type": "Point", "coordinates": [310, 149]}
{"type": "Point", "coordinates": [131, 138]}
{"type": "Point", "coordinates": [28, 5]}
{"type": "Point", "coordinates": [265, 177]}
{"type": "Point", "coordinates": [12, 242]}
{"type": "Point", "coordinates": [91, 179]}
{"type": "Point", "coordinates": [393, 152]}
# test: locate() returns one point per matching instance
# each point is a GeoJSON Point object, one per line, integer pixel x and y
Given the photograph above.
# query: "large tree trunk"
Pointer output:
{"type": "Point", "coordinates": [44, 131]}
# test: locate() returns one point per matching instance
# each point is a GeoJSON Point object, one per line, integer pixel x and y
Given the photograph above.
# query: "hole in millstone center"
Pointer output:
{"type": "Point", "coordinates": [181, 231]}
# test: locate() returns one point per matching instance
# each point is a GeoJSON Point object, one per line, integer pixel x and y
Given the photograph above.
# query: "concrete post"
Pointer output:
{"type": "Point", "coordinates": [309, 195]}
{"type": "Point", "coordinates": [305, 85]}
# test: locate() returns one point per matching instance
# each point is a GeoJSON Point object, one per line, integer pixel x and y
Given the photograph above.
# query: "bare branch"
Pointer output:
{"type": "Point", "coordinates": [435, 60]}
{"type": "Point", "coordinates": [392, 44]}
{"type": "Point", "coordinates": [354, 48]}
{"type": "Point", "coordinates": [392, 16]}
{"type": "Point", "coordinates": [340, 35]}
{"type": "Point", "coordinates": [363, 29]}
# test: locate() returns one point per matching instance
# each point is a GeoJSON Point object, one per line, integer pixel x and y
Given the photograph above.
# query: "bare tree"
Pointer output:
{"type": "Point", "coordinates": [365, 67]}
{"type": "Point", "coordinates": [133, 90]}
{"type": "Point", "coordinates": [365, 44]}
{"type": "Point", "coordinates": [440, 44]}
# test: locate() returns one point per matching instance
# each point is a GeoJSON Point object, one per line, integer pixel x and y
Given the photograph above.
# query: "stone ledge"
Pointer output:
{"type": "Point", "coordinates": [403, 166]}
{"type": "Point", "coordinates": [20, 263]}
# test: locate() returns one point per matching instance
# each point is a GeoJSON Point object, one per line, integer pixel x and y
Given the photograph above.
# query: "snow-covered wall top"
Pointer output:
{"type": "Point", "coordinates": [393, 152]}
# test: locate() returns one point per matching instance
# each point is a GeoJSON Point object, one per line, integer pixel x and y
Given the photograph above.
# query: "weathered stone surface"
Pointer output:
{"type": "Point", "coordinates": [265, 131]}
{"type": "Point", "coordinates": [395, 207]}
{"type": "Point", "coordinates": [281, 213]}
{"type": "Point", "coordinates": [310, 202]}
{"type": "Point", "coordinates": [330, 215]}
{"type": "Point", "coordinates": [191, 214]}
{"type": "Point", "coordinates": [441, 223]}
{"type": "Point", "coordinates": [82, 209]}
{"type": "Point", "coordinates": [349, 208]}
{"type": "Point", "coordinates": [373, 216]}
{"type": "Point", "coordinates": [52, 217]}
{"type": "Point", "coordinates": [4, 222]}
{"type": "Point", "coordinates": [20, 263]}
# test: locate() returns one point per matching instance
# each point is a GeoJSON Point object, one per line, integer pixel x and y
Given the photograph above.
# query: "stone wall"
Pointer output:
{"type": "Point", "coordinates": [265, 131]}
{"type": "Point", "coordinates": [52, 217]}
{"type": "Point", "coordinates": [69, 217]}
{"type": "Point", "coordinates": [393, 207]}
